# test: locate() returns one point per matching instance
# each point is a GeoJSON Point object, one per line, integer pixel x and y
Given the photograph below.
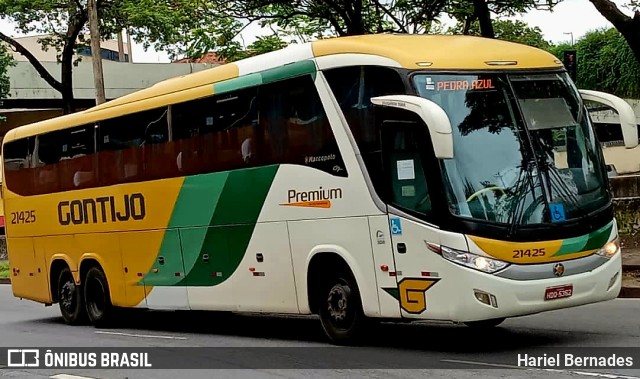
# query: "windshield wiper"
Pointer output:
{"type": "Point", "coordinates": [523, 184]}
{"type": "Point", "coordinates": [560, 187]}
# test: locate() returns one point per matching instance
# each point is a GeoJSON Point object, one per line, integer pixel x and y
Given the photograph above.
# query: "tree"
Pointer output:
{"type": "Point", "coordinates": [64, 24]}
{"type": "Point", "coordinates": [468, 12]}
{"type": "Point", "coordinates": [6, 61]}
{"type": "Point", "coordinates": [513, 31]}
{"type": "Point", "coordinates": [605, 63]}
{"type": "Point", "coordinates": [341, 17]}
{"type": "Point", "coordinates": [628, 26]}
{"type": "Point", "coordinates": [263, 44]}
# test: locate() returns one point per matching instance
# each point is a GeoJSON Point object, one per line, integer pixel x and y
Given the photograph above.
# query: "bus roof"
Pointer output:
{"type": "Point", "coordinates": [429, 52]}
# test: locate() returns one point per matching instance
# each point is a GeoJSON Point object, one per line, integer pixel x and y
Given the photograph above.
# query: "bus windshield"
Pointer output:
{"type": "Point", "coordinates": [524, 149]}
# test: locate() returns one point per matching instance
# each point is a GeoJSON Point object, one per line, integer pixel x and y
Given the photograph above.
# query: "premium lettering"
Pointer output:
{"type": "Point", "coordinates": [320, 194]}
{"type": "Point", "coordinates": [102, 210]}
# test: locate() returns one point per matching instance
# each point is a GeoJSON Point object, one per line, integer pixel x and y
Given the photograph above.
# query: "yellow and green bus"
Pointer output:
{"type": "Point", "coordinates": [358, 178]}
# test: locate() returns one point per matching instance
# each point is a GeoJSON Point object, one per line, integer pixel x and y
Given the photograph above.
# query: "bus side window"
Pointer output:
{"type": "Point", "coordinates": [18, 176]}
{"type": "Point", "coordinates": [353, 88]}
{"type": "Point", "coordinates": [296, 128]}
{"type": "Point", "coordinates": [408, 184]}
{"type": "Point", "coordinates": [132, 147]}
{"type": "Point", "coordinates": [216, 133]}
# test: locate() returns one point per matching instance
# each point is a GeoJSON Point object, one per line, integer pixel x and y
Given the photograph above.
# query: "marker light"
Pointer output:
{"type": "Point", "coordinates": [613, 281]}
{"type": "Point", "coordinates": [501, 63]}
{"type": "Point", "coordinates": [486, 298]}
{"type": "Point", "coordinates": [610, 249]}
{"type": "Point", "coordinates": [480, 263]}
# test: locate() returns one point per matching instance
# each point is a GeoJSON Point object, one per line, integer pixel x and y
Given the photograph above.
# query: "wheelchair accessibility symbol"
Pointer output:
{"type": "Point", "coordinates": [396, 227]}
{"type": "Point", "coordinates": [557, 212]}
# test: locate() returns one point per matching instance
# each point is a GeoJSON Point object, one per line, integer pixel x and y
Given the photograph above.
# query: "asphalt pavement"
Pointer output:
{"type": "Point", "coordinates": [291, 347]}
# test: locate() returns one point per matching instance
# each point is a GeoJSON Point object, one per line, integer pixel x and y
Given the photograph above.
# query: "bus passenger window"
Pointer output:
{"type": "Point", "coordinates": [216, 133]}
{"type": "Point", "coordinates": [408, 183]}
{"type": "Point", "coordinates": [64, 159]}
{"type": "Point", "coordinates": [296, 128]}
{"type": "Point", "coordinates": [18, 175]}
{"type": "Point", "coordinates": [133, 147]}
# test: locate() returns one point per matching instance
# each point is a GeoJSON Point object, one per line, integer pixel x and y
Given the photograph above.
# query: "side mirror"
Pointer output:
{"type": "Point", "coordinates": [433, 116]}
{"type": "Point", "coordinates": [628, 120]}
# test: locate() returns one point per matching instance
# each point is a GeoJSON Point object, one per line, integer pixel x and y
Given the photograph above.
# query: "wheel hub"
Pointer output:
{"type": "Point", "coordinates": [67, 295]}
{"type": "Point", "coordinates": [338, 302]}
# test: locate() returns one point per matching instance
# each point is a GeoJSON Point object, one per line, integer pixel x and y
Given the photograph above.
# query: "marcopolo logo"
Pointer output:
{"type": "Point", "coordinates": [320, 198]}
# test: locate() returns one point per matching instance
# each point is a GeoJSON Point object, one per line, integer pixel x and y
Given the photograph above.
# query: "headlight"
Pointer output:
{"type": "Point", "coordinates": [474, 261]}
{"type": "Point", "coordinates": [610, 248]}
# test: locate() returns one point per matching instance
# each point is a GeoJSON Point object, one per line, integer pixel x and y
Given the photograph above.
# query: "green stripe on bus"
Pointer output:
{"type": "Point", "coordinates": [189, 210]}
{"type": "Point", "coordinates": [395, 292]}
{"type": "Point", "coordinates": [231, 227]}
{"type": "Point", "coordinates": [599, 238]}
{"type": "Point", "coordinates": [234, 84]}
{"type": "Point", "coordinates": [572, 245]}
{"type": "Point", "coordinates": [198, 199]}
{"type": "Point", "coordinates": [172, 262]}
{"type": "Point", "coordinates": [592, 241]}
{"type": "Point", "coordinates": [289, 71]}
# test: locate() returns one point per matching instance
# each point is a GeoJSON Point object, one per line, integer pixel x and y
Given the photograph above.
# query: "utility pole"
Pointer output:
{"type": "Point", "coordinates": [129, 48]}
{"type": "Point", "coordinates": [120, 47]}
{"type": "Point", "coordinates": [94, 28]}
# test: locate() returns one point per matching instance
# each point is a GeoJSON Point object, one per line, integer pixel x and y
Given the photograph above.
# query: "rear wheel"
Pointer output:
{"type": "Point", "coordinates": [70, 298]}
{"type": "Point", "coordinates": [96, 297]}
{"type": "Point", "coordinates": [485, 323]}
{"type": "Point", "coordinates": [340, 310]}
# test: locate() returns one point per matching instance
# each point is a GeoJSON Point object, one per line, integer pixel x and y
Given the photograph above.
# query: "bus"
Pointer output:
{"type": "Point", "coordinates": [357, 179]}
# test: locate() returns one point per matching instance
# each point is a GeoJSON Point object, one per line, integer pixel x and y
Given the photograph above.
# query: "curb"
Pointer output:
{"type": "Point", "coordinates": [629, 293]}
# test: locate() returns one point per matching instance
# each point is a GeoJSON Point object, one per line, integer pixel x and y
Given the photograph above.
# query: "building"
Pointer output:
{"type": "Point", "coordinates": [108, 50]}
{"type": "Point", "coordinates": [210, 58]}
{"type": "Point", "coordinates": [32, 99]}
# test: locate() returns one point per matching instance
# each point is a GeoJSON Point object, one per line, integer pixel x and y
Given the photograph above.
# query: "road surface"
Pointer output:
{"type": "Point", "coordinates": [289, 346]}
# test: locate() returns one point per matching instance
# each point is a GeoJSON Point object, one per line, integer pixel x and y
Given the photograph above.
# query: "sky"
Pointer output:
{"type": "Point", "coordinates": [569, 16]}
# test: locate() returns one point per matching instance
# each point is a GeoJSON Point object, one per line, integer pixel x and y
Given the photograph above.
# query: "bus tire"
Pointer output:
{"type": "Point", "coordinates": [340, 309]}
{"type": "Point", "coordinates": [70, 298]}
{"type": "Point", "coordinates": [491, 323]}
{"type": "Point", "coordinates": [96, 297]}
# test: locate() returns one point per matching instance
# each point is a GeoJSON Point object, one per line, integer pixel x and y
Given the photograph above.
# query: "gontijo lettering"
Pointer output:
{"type": "Point", "coordinates": [102, 210]}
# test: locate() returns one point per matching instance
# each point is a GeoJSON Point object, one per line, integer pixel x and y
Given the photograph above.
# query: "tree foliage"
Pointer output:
{"type": "Point", "coordinates": [63, 24]}
{"type": "Point", "coordinates": [628, 26]}
{"type": "Point", "coordinates": [336, 17]}
{"type": "Point", "coordinates": [304, 20]}
{"type": "Point", "coordinates": [513, 31]}
{"type": "Point", "coordinates": [467, 12]}
{"type": "Point", "coordinates": [605, 63]}
{"type": "Point", "coordinates": [6, 61]}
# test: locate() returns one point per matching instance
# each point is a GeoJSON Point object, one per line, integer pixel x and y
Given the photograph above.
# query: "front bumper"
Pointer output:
{"type": "Point", "coordinates": [524, 297]}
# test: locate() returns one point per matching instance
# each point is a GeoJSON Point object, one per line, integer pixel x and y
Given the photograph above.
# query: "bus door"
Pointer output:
{"type": "Point", "coordinates": [403, 140]}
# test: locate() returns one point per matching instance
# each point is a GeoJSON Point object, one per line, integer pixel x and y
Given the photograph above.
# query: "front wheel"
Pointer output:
{"type": "Point", "coordinates": [340, 311]}
{"type": "Point", "coordinates": [70, 298]}
{"type": "Point", "coordinates": [96, 297]}
{"type": "Point", "coordinates": [485, 323]}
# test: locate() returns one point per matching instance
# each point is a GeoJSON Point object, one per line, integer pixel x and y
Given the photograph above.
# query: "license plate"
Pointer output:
{"type": "Point", "coordinates": [560, 292]}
